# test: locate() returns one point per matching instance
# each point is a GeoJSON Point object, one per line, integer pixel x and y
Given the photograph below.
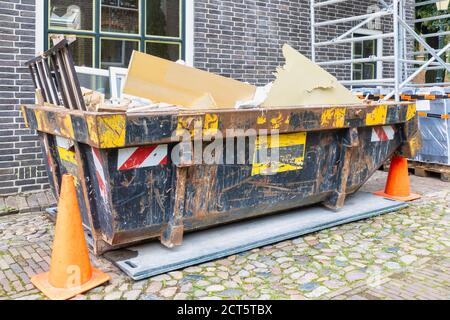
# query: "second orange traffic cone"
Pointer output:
{"type": "Point", "coordinates": [397, 186]}
{"type": "Point", "coordinates": [71, 272]}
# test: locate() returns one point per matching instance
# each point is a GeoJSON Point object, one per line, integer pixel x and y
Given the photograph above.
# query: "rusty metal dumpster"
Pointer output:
{"type": "Point", "coordinates": [130, 189]}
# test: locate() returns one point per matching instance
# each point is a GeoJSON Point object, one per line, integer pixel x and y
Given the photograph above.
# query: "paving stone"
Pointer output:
{"type": "Point", "coordinates": [154, 287]}
{"type": "Point", "coordinates": [181, 296]}
{"type": "Point", "coordinates": [231, 293]}
{"type": "Point", "coordinates": [215, 288]}
{"type": "Point", "coordinates": [116, 295]}
{"type": "Point", "coordinates": [132, 295]}
{"type": "Point", "coordinates": [177, 275]}
{"type": "Point", "coordinates": [392, 265]}
{"type": "Point", "coordinates": [244, 273]}
{"type": "Point", "coordinates": [421, 252]}
{"type": "Point", "coordinates": [361, 260]}
{"type": "Point", "coordinates": [310, 286]}
{"type": "Point", "coordinates": [333, 284]}
{"type": "Point", "coordinates": [355, 276]}
{"type": "Point", "coordinates": [31, 297]}
{"type": "Point", "coordinates": [168, 292]}
{"type": "Point", "coordinates": [320, 291]}
{"type": "Point", "coordinates": [200, 293]}
{"type": "Point", "coordinates": [186, 288]}
{"type": "Point", "coordinates": [150, 297]}
{"type": "Point", "coordinates": [408, 259]}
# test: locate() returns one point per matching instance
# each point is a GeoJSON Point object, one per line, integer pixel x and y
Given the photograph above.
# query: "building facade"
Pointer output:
{"type": "Point", "coordinates": [234, 38]}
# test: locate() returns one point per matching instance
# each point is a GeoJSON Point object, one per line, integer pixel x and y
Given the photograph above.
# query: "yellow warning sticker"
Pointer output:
{"type": "Point", "coordinates": [377, 116]}
{"type": "Point", "coordinates": [412, 109]}
{"type": "Point", "coordinates": [333, 117]}
{"type": "Point", "coordinates": [277, 154]}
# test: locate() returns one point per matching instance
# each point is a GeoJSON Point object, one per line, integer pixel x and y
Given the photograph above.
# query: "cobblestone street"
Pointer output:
{"type": "Point", "coordinates": [402, 255]}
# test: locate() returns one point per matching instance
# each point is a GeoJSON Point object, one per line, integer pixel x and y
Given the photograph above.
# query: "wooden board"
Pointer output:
{"type": "Point", "coordinates": [302, 82]}
{"type": "Point", "coordinates": [161, 80]}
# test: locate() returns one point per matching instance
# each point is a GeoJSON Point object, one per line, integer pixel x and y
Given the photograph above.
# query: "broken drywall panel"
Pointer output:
{"type": "Point", "coordinates": [302, 82]}
{"type": "Point", "coordinates": [161, 80]}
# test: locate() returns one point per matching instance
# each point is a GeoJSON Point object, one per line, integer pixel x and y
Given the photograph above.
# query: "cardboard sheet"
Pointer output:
{"type": "Point", "coordinates": [161, 80]}
{"type": "Point", "coordinates": [302, 82]}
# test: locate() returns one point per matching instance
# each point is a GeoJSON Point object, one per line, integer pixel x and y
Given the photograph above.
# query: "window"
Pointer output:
{"type": "Point", "coordinates": [109, 30]}
{"type": "Point", "coordinates": [437, 35]}
{"type": "Point", "coordinates": [361, 50]}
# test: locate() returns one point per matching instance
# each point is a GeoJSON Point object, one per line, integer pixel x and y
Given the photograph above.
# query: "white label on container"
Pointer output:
{"type": "Point", "coordinates": [423, 105]}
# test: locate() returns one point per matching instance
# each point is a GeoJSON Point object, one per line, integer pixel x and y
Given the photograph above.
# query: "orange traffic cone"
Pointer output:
{"type": "Point", "coordinates": [71, 272]}
{"type": "Point", "coordinates": [397, 186]}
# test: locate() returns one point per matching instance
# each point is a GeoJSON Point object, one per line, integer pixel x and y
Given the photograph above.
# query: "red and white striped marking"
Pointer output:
{"type": "Point", "coordinates": [382, 134]}
{"type": "Point", "coordinates": [142, 157]}
{"type": "Point", "coordinates": [49, 155]}
{"type": "Point", "coordinates": [100, 173]}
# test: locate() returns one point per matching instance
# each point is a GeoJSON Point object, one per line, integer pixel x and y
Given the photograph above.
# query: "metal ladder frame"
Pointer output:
{"type": "Point", "coordinates": [396, 9]}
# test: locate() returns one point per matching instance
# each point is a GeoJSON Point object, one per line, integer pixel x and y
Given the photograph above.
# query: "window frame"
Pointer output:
{"type": "Point", "coordinates": [142, 37]}
{"type": "Point", "coordinates": [115, 39]}
{"type": "Point", "coordinates": [379, 42]}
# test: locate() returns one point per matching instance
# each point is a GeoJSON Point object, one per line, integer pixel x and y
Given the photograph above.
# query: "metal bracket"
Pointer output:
{"type": "Point", "coordinates": [173, 234]}
{"type": "Point", "coordinates": [349, 142]}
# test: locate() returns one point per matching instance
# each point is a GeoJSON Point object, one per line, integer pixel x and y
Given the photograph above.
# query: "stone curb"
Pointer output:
{"type": "Point", "coordinates": [26, 203]}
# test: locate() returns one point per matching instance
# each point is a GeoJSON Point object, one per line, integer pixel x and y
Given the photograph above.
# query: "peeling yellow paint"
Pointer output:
{"type": "Point", "coordinates": [40, 119]}
{"type": "Point", "coordinates": [377, 116]}
{"type": "Point", "coordinates": [92, 129]}
{"type": "Point", "coordinates": [193, 125]}
{"type": "Point", "coordinates": [111, 131]}
{"type": "Point", "coordinates": [290, 161]}
{"type": "Point", "coordinates": [277, 122]}
{"type": "Point", "coordinates": [67, 127]}
{"type": "Point", "coordinates": [67, 155]}
{"type": "Point", "coordinates": [415, 144]}
{"type": "Point", "coordinates": [211, 126]}
{"type": "Point", "coordinates": [333, 117]}
{"type": "Point", "coordinates": [24, 114]}
{"type": "Point", "coordinates": [261, 120]}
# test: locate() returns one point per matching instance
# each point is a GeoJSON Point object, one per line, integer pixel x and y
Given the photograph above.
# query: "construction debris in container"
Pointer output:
{"type": "Point", "coordinates": [155, 84]}
{"type": "Point", "coordinates": [93, 99]}
{"type": "Point", "coordinates": [165, 81]}
{"type": "Point", "coordinates": [302, 82]}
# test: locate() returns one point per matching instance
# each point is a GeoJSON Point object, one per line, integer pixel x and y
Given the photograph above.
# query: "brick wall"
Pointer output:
{"type": "Point", "coordinates": [235, 38]}
{"type": "Point", "coordinates": [243, 39]}
{"type": "Point", "coordinates": [21, 164]}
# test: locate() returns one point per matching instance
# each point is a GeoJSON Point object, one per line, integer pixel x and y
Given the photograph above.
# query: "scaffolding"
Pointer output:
{"type": "Point", "coordinates": [404, 62]}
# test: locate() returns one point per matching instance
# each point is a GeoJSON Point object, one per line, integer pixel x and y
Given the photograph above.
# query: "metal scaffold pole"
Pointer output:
{"type": "Point", "coordinates": [397, 73]}
{"type": "Point", "coordinates": [313, 31]}
{"type": "Point", "coordinates": [404, 70]}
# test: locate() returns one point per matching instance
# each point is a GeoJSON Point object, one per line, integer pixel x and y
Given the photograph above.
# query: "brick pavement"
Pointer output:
{"type": "Point", "coordinates": [26, 202]}
{"type": "Point", "coordinates": [402, 255]}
